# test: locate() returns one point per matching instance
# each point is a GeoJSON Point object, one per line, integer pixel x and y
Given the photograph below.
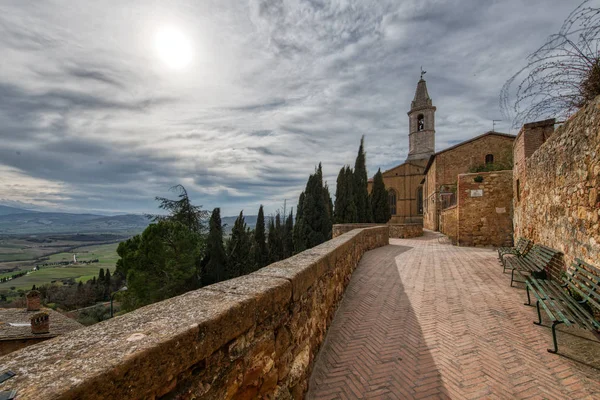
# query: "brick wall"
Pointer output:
{"type": "Point", "coordinates": [485, 209]}
{"type": "Point", "coordinates": [248, 337]}
{"type": "Point", "coordinates": [559, 203]}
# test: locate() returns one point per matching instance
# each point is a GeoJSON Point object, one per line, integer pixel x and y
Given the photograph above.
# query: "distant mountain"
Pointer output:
{"type": "Point", "coordinates": [31, 222]}
{"type": "Point", "coordinates": [5, 210]}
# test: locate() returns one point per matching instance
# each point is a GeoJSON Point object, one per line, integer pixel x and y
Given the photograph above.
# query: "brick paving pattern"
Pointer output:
{"type": "Point", "coordinates": [424, 319]}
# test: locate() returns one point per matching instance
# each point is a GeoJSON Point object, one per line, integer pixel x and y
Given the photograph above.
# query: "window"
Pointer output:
{"type": "Point", "coordinates": [518, 190]}
{"type": "Point", "coordinates": [420, 122]}
{"type": "Point", "coordinates": [392, 199]}
{"type": "Point", "coordinates": [420, 200]}
{"type": "Point", "coordinates": [489, 159]}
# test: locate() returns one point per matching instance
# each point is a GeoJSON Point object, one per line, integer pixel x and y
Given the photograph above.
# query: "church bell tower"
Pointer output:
{"type": "Point", "coordinates": [421, 124]}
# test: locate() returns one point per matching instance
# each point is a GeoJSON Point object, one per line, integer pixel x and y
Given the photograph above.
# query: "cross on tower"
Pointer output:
{"type": "Point", "coordinates": [422, 72]}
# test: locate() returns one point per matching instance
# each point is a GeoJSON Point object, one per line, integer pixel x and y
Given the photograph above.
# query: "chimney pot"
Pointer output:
{"type": "Point", "coordinates": [33, 300]}
{"type": "Point", "coordinates": [40, 323]}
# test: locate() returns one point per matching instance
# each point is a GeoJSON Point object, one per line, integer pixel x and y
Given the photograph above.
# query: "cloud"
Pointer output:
{"type": "Point", "coordinates": [90, 119]}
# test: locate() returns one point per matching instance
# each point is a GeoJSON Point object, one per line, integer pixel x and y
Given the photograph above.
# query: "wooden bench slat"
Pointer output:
{"type": "Point", "coordinates": [578, 313]}
{"type": "Point", "coordinates": [551, 302]}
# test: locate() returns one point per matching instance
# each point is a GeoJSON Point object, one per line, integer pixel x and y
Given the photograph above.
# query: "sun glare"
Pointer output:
{"type": "Point", "coordinates": [173, 47]}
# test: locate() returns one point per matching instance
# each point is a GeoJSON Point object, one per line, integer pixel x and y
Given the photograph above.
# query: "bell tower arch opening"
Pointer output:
{"type": "Point", "coordinates": [421, 124]}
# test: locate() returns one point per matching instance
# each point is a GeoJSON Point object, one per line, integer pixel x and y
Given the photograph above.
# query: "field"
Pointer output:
{"type": "Point", "coordinates": [105, 253]}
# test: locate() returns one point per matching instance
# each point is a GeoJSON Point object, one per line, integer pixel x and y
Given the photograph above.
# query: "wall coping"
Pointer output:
{"type": "Point", "coordinates": [142, 351]}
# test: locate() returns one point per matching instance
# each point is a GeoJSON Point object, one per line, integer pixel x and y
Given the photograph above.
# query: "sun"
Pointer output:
{"type": "Point", "coordinates": [173, 47]}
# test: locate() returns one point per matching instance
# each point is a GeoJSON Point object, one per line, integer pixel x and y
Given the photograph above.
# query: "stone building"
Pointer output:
{"type": "Point", "coordinates": [22, 327]}
{"type": "Point", "coordinates": [404, 181]}
{"type": "Point", "coordinates": [442, 170]}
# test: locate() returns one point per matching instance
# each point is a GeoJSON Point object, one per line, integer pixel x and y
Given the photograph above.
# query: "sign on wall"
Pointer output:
{"type": "Point", "coordinates": [477, 193]}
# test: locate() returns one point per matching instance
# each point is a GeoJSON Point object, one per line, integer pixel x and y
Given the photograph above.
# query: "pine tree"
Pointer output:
{"type": "Point", "coordinates": [360, 184]}
{"type": "Point", "coordinates": [215, 261]}
{"type": "Point", "coordinates": [238, 249]}
{"type": "Point", "coordinates": [379, 200]}
{"type": "Point", "coordinates": [313, 221]}
{"type": "Point", "coordinates": [261, 253]}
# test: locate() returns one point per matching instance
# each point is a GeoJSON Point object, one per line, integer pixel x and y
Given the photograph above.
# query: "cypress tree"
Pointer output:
{"type": "Point", "coordinates": [313, 227]}
{"type": "Point", "coordinates": [101, 276]}
{"type": "Point", "coordinates": [261, 253]}
{"type": "Point", "coordinates": [238, 249]}
{"type": "Point", "coordinates": [379, 199]}
{"type": "Point", "coordinates": [345, 208]}
{"type": "Point", "coordinates": [288, 236]}
{"type": "Point", "coordinates": [215, 261]}
{"type": "Point", "coordinates": [299, 244]}
{"type": "Point", "coordinates": [360, 184]}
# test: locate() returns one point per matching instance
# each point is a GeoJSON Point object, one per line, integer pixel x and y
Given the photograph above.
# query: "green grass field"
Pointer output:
{"type": "Point", "coordinates": [106, 253]}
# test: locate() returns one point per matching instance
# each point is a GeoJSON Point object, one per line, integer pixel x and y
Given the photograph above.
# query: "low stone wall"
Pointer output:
{"type": "Point", "coordinates": [405, 231]}
{"type": "Point", "coordinates": [557, 201]}
{"type": "Point", "coordinates": [397, 231]}
{"type": "Point", "coordinates": [449, 223]}
{"type": "Point", "coordinates": [485, 209]}
{"type": "Point", "coordinates": [252, 336]}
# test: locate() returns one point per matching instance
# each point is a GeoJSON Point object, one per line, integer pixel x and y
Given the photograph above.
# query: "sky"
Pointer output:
{"type": "Point", "coordinates": [100, 113]}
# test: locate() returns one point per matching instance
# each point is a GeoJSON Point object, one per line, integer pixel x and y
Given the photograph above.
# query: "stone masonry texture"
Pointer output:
{"type": "Point", "coordinates": [485, 220]}
{"type": "Point", "coordinates": [557, 203]}
{"type": "Point", "coordinates": [255, 336]}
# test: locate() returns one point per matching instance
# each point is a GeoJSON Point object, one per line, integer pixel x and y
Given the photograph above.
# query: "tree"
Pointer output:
{"type": "Point", "coordinates": [101, 276]}
{"type": "Point", "coordinates": [380, 200]}
{"type": "Point", "coordinates": [288, 236]}
{"type": "Point", "coordinates": [275, 242]}
{"type": "Point", "coordinates": [260, 251]}
{"type": "Point", "coordinates": [215, 261]}
{"type": "Point", "coordinates": [345, 208]}
{"type": "Point", "coordinates": [165, 264]}
{"type": "Point", "coordinates": [314, 226]}
{"type": "Point", "coordinates": [238, 249]}
{"type": "Point", "coordinates": [561, 76]}
{"type": "Point", "coordinates": [182, 211]}
{"type": "Point", "coordinates": [360, 184]}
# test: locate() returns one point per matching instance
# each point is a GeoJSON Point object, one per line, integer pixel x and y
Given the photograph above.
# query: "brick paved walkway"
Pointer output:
{"type": "Point", "coordinates": [424, 319]}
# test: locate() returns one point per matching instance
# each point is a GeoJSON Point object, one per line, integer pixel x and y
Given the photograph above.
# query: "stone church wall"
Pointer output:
{"type": "Point", "coordinates": [485, 210]}
{"type": "Point", "coordinates": [558, 203]}
{"type": "Point", "coordinates": [251, 336]}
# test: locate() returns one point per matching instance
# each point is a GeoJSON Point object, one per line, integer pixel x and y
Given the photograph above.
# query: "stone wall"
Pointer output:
{"type": "Point", "coordinates": [253, 336]}
{"type": "Point", "coordinates": [398, 231]}
{"type": "Point", "coordinates": [441, 176]}
{"type": "Point", "coordinates": [485, 209]}
{"type": "Point", "coordinates": [559, 202]}
{"type": "Point", "coordinates": [405, 231]}
{"type": "Point", "coordinates": [449, 223]}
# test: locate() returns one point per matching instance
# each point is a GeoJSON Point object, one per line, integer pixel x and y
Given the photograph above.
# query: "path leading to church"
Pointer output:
{"type": "Point", "coordinates": [424, 319]}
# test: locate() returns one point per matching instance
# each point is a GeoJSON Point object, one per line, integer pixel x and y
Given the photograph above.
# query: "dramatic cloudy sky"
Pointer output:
{"type": "Point", "coordinates": [93, 118]}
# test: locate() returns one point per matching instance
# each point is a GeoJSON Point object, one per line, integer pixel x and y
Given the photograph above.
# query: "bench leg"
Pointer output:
{"type": "Point", "coordinates": [512, 277]}
{"type": "Point", "coordinates": [528, 297]}
{"type": "Point", "coordinates": [537, 305]}
{"type": "Point", "coordinates": [554, 324]}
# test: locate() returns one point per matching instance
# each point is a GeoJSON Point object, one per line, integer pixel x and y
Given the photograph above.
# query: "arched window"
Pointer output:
{"type": "Point", "coordinates": [489, 159]}
{"type": "Point", "coordinates": [392, 199]}
{"type": "Point", "coordinates": [420, 122]}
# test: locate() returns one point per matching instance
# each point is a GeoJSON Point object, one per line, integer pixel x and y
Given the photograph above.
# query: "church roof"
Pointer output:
{"type": "Point", "coordinates": [422, 98]}
{"type": "Point", "coordinates": [506, 135]}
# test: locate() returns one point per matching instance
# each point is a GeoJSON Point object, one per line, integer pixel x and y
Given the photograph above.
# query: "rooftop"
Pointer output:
{"type": "Point", "coordinates": [15, 324]}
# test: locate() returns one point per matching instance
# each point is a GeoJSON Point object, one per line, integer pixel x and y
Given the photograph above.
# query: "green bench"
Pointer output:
{"type": "Point", "coordinates": [522, 247]}
{"type": "Point", "coordinates": [535, 262]}
{"type": "Point", "coordinates": [572, 302]}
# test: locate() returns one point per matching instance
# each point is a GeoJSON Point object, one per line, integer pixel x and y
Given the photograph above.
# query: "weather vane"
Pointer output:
{"type": "Point", "coordinates": [422, 72]}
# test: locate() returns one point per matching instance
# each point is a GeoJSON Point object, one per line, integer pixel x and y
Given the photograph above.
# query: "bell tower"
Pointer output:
{"type": "Point", "coordinates": [421, 124]}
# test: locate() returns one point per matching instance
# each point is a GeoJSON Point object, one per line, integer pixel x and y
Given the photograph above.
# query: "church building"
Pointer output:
{"type": "Point", "coordinates": [404, 181]}
{"type": "Point", "coordinates": [421, 186]}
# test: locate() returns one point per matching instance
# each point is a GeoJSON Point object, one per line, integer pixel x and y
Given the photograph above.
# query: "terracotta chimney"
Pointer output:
{"type": "Point", "coordinates": [33, 300]}
{"type": "Point", "coordinates": [40, 323]}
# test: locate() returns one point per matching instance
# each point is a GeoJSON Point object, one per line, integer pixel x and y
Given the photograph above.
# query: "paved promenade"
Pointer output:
{"type": "Point", "coordinates": [424, 319]}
